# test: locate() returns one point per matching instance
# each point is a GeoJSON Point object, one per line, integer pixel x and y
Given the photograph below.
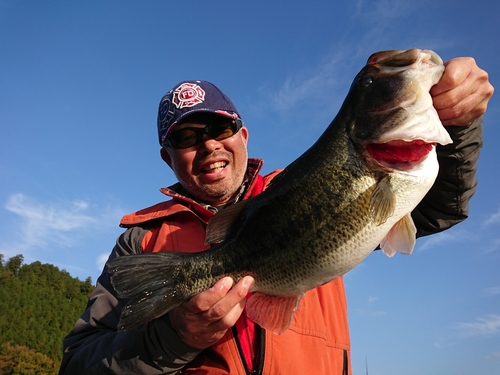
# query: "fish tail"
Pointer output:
{"type": "Point", "coordinates": [152, 284]}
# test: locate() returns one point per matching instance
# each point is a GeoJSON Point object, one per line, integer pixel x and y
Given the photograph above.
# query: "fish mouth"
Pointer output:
{"type": "Point", "coordinates": [403, 107]}
{"type": "Point", "coordinates": [394, 59]}
{"type": "Point", "coordinates": [399, 154]}
{"type": "Point", "coordinates": [430, 57]}
{"type": "Point", "coordinates": [424, 69]}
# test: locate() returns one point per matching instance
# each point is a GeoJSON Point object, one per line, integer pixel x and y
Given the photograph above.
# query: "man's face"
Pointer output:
{"type": "Point", "coordinates": [212, 170]}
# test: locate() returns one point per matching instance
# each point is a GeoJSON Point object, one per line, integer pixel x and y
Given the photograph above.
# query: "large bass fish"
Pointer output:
{"type": "Point", "coordinates": [352, 191]}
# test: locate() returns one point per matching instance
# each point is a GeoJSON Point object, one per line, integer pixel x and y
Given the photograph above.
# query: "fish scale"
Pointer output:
{"type": "Point", "coordinates": [323, 214]}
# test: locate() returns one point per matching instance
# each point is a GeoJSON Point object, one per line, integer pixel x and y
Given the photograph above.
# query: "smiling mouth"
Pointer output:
{"type": "Point", "coordinates": [215, 167]}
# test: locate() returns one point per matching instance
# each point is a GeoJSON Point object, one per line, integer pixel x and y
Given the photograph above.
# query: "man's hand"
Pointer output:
{"type": "Point", "coordinates": [205, 318]}
{"type": "Point", "coordinates": [462, 93]}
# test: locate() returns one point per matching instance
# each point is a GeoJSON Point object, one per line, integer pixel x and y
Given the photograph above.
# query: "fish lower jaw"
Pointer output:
{"type": "Point", "coordinates": [404, 166]}
{"type": "Point", "coordinates": [400, 155]}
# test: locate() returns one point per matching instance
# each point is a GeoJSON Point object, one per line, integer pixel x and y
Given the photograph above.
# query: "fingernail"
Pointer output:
{"type": "Point", "coordinates": [248, 282]}
{"type": "Point", "coordinates": [227, 282]}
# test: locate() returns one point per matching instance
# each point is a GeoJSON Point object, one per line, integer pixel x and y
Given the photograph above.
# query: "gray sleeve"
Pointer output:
{"type": "Point", "coordinates": [94, 346]}
{"type": "Point", "coordinates": [447, 202]}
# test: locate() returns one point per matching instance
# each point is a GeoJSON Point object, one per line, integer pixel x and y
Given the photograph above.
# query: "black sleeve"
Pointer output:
{"type": "Point", "coordinates": [94, 346]}
{"type": "Point", "coordinates": [447, 202]}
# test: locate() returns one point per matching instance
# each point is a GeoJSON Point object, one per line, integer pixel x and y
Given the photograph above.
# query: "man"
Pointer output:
{"type": "Point", "coordinates": [205, 143]}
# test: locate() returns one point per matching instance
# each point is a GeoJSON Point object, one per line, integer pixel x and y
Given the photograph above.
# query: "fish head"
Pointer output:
{"type": "Point", "coordinates": [390, 107]}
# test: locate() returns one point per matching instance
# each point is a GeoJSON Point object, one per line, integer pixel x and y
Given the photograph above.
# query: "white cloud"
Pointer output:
{"type": "Point", "coordinates": [488, 325]}
{"type": "Point", "coordinates": [326, 84]}
{"type": "Point", "coordinates": [391, 9]}
{"type": "Point", "coordinates": [101, 261]}
{"type": "Point", "coordinates": [485, 326]}
{"type": "Point", "coordinates": [315, 87]}
{"type": "Point", "coordinates": [494, 290]}
{"type": "Point", "coordinates": [44, 225]}
{"type": "Point", "coordinates": [492, 356]}
{"type": "Point", "coordinates": [443, 342]}
{"type": "Point", "coordinates": [437, 240]}
{"type": "Point", "coordinates": [492, 245]}
{"type": "Point", "coordinates": [385, 9]}
{"type": "Point", "coordinates": [493, 219]}
{"type": "Point", "coordinates": [366, 312]}
{"type": "Point", "coordinates": [370, 308]}
{"type": "Point", "coordinates": [372, 299]}
{"type": "Point", "coordinates": [482, 236]}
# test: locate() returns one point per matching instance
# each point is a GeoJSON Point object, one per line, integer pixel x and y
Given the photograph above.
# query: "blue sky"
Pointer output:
{"type": "Point", "coordinates": [80, 83]}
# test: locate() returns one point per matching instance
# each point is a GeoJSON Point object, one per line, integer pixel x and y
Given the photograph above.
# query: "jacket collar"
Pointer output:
{"type": "Point", "coordinates": [180, 202]}
{"type": "Point", "coordinates": [178, 193]}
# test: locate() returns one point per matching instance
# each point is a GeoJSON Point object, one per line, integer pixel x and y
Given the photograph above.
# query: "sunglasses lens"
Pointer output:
{"type": "Point", "coordinates": [188, 137]}
{"type": "Point", "coordinates": [222, 131]}
{"type": "Point", "coordinates": [183, 138]}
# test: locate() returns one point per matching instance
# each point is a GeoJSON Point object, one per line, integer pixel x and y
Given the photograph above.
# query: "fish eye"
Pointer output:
{"type": "Point", "coordinates": [365, 81]}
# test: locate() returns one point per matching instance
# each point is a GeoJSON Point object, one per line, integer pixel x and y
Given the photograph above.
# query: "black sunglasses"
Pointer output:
{"type": "Point", "coordinates": [189, 137]}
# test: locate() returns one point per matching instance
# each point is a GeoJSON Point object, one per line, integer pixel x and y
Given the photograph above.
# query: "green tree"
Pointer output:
{"type": "Point", "coordinates": [14, 264]}
{"type": "Point", "coordinates": [39, 304]}
{"type": "Point", "coordinates": [20, 360]}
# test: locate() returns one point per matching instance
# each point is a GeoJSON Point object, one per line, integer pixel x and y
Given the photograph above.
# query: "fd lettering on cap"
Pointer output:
{"type": "Point", "coordinates": [188, 95]}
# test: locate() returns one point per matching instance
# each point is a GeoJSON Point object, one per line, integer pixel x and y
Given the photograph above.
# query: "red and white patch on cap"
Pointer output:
{"type": "Point", "coordinates": [188, 95]}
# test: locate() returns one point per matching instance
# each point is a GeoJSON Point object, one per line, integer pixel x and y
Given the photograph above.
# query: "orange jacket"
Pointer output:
{"type": "Point", "coordinates": [317, 341]}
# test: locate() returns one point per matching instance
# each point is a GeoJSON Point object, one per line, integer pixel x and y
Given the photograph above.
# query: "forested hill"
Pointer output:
{"type": "Point", "coordinates": [39, 304]}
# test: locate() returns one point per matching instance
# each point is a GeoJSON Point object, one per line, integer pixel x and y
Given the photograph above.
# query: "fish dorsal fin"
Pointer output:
{"type": "Point", "coordinates": [401, 238]}
{"type": "Point", "coordinates": [382, 201]}
{"type": "Point", "coordinates": [273, 313]}
{"type": "Point", "coordinates": [220, 225]}
{"type": "Point", "coordinates": [278, 176]}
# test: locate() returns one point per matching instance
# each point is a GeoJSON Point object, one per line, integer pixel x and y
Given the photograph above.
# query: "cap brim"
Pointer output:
{"type": "Point", "coordinates": [197, 111]}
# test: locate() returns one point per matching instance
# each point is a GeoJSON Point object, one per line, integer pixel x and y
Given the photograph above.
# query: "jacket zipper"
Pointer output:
{"type": "Point", "coordinates": [260, 363]}
{"type": "Point", "coordinates": [345, 370]}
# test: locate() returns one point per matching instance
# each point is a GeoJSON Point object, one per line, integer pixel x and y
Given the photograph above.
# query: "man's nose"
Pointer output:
{"type": "Point", "coordinates": [210, 144]}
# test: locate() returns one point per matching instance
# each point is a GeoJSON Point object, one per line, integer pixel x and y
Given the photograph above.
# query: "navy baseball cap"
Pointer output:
{"type": "Point", "coordinates": [190, 97]}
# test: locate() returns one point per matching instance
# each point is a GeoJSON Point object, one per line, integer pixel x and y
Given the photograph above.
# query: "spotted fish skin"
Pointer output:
{"type": "Point", "coordinates": [352, 191]}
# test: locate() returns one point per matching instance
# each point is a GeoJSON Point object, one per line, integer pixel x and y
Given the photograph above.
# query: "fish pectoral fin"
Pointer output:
{"type": "Point", "coordinates": [401, 238]}
{"type": "Point", "coordinates": [219, 227]}
{"type": "Point", "coordinates": [273, 313]}
{"type": "Point", "coordinates": [382, 201]}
